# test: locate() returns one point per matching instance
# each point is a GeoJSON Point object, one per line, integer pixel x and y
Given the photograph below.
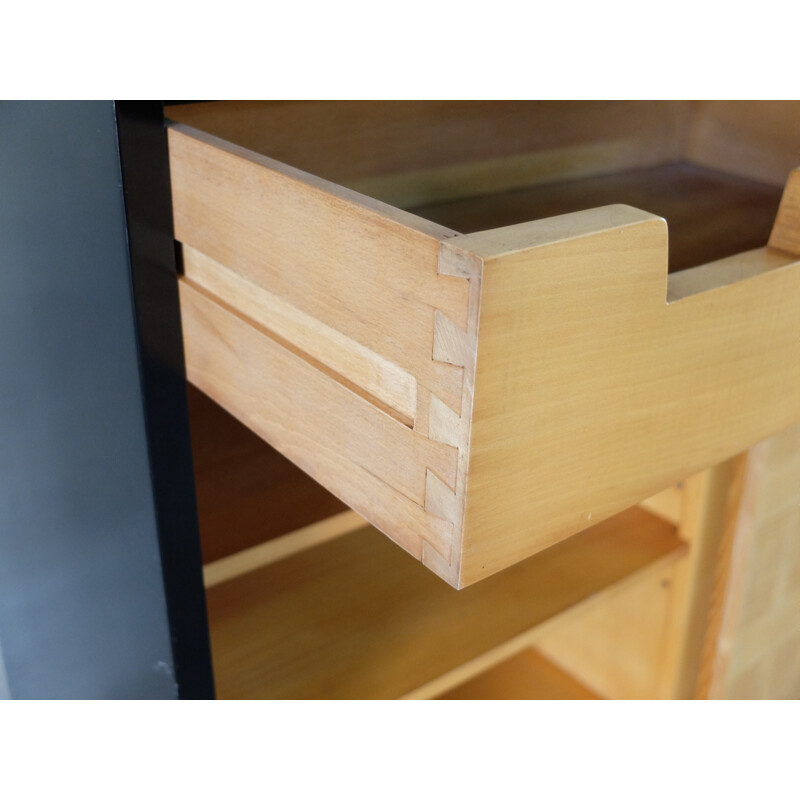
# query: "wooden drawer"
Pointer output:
{"type": "Point", "coordinates": [479, 396]}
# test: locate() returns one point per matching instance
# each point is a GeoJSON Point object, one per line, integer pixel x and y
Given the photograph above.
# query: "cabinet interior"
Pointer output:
{"type": "Point", "coordinates": [348, 614]}
{"type": "Point", "coordinates": [304, 598]}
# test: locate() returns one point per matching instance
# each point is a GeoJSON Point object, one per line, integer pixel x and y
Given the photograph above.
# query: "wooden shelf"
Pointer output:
{"type": "Point", "coordinates": [526, 676]}
{"type": "Point", "coordinates": [358, 618]}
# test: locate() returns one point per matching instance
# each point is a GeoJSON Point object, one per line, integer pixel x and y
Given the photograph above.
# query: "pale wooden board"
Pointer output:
{"type": "Point", "coordinates": [786, 233]}
{"type": "Point", "coordinates": [362, 269]}
{"type": "Point", "coordinates": [711, 503]}
{"type": "Point", "coordinates": [617, 643]}
{"type": "Point", "coordinates": [725, 272]}
{"type": "Point", "coordinates": [654, 636]}
{"type": "Point", "coordinates": [365, 457]}
{"type": "Point", "coordinates": [410, 152]}
{"type": "Point", "coordinates": [713, 579]}
{"type": "Point", "coordinates": [526, 676]}
{"type": "Point", "coordinates": [247, 492]}
{"type": "Point", "coordinates": [592, 393]}
{"type": "Point", "coordinates": [356, 617]}
{"type": "Point", "coordinates": [344, 359]}
{"type": "Point", "coordinates": [644, 638]}
{"type": "Point", "coordinates": [758, 648]}
{"type": "Point", "coordinates": [758, 139]}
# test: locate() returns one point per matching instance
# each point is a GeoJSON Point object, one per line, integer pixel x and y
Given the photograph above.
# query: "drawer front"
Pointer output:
{"type": "Point", "coordinates": [476, 397]}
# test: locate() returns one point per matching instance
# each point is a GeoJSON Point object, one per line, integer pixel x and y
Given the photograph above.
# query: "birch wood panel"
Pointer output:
{"type": "Point", "coordinates": [645, 638]}
{"type": "Point", "coordinates": [272, 550]}
{"type": "Point", "coordinates": [757, 653]}
{"type": "Point", "coordinates": [247, 492]}
{"type": "Point", "coordinates": [617, 644]}
{"type": "Point", "coordinates": [365, 270]}
{"type": "Point", "coordinates": [712, 500]}
{"type": "Point", "coordinates": [666, 504]}
{"type": "Point", "coordinates": [372, 462]}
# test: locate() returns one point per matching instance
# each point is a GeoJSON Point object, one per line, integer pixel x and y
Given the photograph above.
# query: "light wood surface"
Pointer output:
{"type": "Point", "coordinates": [617, 644]}
{"type": "Point", "coordinates": [757, 654]}
{"type": "Point", "coordinates": [411, 152]}
{"type": "Point", "coordinates": [666, 504]}
{"type": "Point", "coordinates": [526, 676]}
{"type": "Point", "coordinates": [361, 268]}
{"type": "Point", "coordinates": [355, 617]}
{"type": "Point", "coordinates": [619, 394]}
{"type": "Point", "coordinates": [726, 272]}
{"type": "Point", "coordinates": [712, 582]}
{"type": "Point", "coordinates": [356, 366]}
{"type": "Point", "coordinates": [247, 492]}
{"type": "Point", "coordinates": [711, 501]}
{"type": "Point", "coordinates": [649, 636]}
{"type": "Point", "coordinates": [367, 334]}
{"type": "Point", "coordinates": [371, 461]}
{"type": "Point", "coordinates": [786, 233]}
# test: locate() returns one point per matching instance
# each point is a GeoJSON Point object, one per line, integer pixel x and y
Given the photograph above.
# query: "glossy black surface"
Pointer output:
{"type": "Point", "coordinates": [145, 172]}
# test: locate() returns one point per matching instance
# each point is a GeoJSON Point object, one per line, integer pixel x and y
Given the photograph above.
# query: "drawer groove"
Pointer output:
{"type": "Point", "coordinates": [360, 369]}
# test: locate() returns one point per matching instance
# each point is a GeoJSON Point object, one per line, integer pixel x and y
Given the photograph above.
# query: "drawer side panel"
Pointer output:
{"type": "Point", "coordinates": [363, 269]}
{"type": "Point", "coordinates": [373, 463]}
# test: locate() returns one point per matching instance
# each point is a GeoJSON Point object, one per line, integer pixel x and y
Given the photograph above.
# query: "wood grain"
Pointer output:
{"type": "Point", "coordinates": [344, 359]}
{"type": "Point", "coordinates": [786, 232]}
{"type": "Point", "coordinates": [357, 618]}
{"type": "Point", "coordinates": [526, 676]}
{"type": "Point", "coordinates": [711, 501]}
{"type": "Point", "coordinates": [363, 269]}
{"type": "Point", "coordinates": [480, 397]}
{"type": "Point", "coordinates": [647, 638]}
{"type": "Point", "coordinates": [725, 272]}
{"type": "Point", "coordinates": [758, 649]}
{"type": "Point", "coordinates": [366, 458]}
{"type": "Point", "coordinates": [619, 394]}
{"type": "Point", "coordinates": [247, 492]}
